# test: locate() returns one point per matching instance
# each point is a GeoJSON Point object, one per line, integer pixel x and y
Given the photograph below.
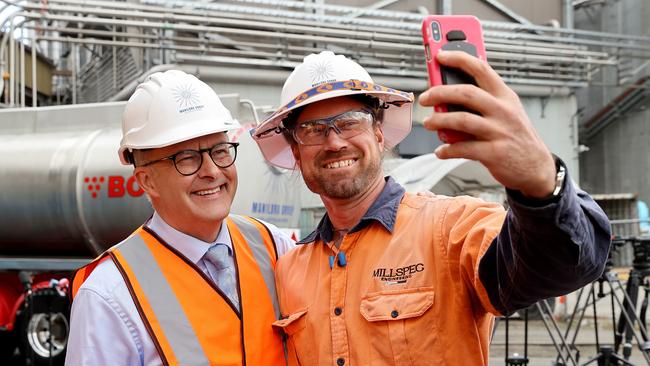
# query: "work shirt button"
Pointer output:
{"type": "Point", "coordinates": [338, 311]}
{"type": "Point", "coordinates": [340, 361]}
{"type": "Point", "coordinates": [394, 314]}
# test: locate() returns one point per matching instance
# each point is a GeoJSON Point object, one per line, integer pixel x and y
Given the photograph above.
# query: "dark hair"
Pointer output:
{"type": "Point", "coordinates": [375, 104]}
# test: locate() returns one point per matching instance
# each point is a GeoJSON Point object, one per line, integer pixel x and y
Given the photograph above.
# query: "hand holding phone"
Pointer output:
{"type": "Point", "coordinates": [451, 33]}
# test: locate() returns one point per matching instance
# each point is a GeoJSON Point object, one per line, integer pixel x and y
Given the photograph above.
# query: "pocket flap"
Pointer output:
{"type": "Point", "coordinates": [293, 323]}
{"type": "Point", "coordinates": [396, 305]}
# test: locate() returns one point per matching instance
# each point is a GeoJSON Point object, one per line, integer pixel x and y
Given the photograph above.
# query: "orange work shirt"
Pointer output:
{"type": "Point", "coordinates": [407, 297]}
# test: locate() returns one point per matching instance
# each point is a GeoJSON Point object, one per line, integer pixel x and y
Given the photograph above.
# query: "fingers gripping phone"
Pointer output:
{"type": "Point", "coordinates": [451, 33]}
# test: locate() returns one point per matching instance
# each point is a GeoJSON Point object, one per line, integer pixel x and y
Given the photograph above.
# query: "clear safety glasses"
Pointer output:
{"type": "Point", "coordinates": [346, 125]}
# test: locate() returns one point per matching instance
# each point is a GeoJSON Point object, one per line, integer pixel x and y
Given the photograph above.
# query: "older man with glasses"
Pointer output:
{"type": "Point", "coordinates": [194, 285]}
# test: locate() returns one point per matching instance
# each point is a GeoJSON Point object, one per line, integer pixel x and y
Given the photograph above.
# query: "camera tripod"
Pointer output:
{"type": "Point", "coordinates": [638, 279]}
{"type": "Point", "coordinates": [558, 339]}
{"type": "Point", "coordinates": [608, 355]}
{"type": "Point", "coordinates": [624, 330]}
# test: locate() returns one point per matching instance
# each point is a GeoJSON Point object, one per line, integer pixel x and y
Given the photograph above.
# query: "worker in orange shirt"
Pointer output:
{"type": "Point", "coordinates": [390, 278]}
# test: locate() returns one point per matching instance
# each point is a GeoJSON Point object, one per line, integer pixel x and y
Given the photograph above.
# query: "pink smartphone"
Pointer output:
{"type": "Point", "coordinates": [451, 33]}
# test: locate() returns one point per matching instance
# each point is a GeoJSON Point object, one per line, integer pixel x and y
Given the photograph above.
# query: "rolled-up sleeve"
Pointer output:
{"type": "Point", "coordinates": [545, 251]}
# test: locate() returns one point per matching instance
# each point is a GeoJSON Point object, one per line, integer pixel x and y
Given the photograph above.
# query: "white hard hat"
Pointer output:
{"type": "Point", "coordinates": [170, 107]}
{"type": "Point", "coordinates": [324, 76]}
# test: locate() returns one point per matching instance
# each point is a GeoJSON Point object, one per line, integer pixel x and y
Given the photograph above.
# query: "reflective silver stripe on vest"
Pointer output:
{"type": "Point", "coordinates": [169, 313]}
{"type": "Point", "coordinates": [253, 237]}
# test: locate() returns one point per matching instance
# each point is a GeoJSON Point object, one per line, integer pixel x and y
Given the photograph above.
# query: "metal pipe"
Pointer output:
{"type": "Point", "coordinates": [114, 64]}
{"type": "Point", "coordinates": [262, 16]}
{"type": "Point", "coordinates": [568, 14]}
{"type": "Point", "coordinates": [73, 61]}
{"type": "Point", "coordinates": [126, 91]}
{"type": "Point", "coordinates": [22, 70]}
{"type": "Point", "coordinates": [352, 42]}
{"type": "Point", "coordinates": [175, 19]}
{"type": "Point", "coordinates": [500, 48]}
{"type": "Point", "coordinates": [301, 5]}
{"type": "Point", "coordinates": [413, 38]}
{"type": "Point", "coordinates": [34, 79]}
{"type": "Point", "coordinates": [507, 56]}
{"type": "Point", "coordinates": [392, 14]}
{"type": "Point", "coordinates": [253, 109]}
{"type": "Point", "coordinates": [239, 32]}
{"type": "Point", "coordinates": [378, 5]}
{"type": "Point", "coordinates": [509, 45]}
{"type": "Point", "coordinates": [12, 63]}
{"type": "Point", "coordinates": [572, 32]}
{"type": "Point", "coordinates": [444, 7]}
{"type": "Point", "coordinates": [507, 12]}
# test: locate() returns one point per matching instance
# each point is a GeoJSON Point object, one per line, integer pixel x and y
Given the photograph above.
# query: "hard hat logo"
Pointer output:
{"type": "Point", "coordinates": [321, 72]}
{"type": "Point", "coordinates": [187, 99]}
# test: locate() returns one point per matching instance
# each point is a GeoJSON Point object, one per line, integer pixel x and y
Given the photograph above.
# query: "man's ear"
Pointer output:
{"type": "Point", "coordinates": [379, 135]}
{"type": "Point", "coordinates": [296, 154]}
{"type": "Point", "coordinates": [145, 180]}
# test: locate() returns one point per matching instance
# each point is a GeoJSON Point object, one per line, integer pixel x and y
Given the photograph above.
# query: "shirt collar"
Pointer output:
{"type": "Point", "coordinates": [383, 211]}
{"type": "Point", "coordinates": [192, 248]}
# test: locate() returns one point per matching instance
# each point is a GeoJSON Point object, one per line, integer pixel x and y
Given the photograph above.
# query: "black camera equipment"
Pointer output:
{"type": "Point", "coordinates": [638, 278]}
{"type": "Point", "coordinates": [606, 354]}
{"type": "Point", "coordinates": [517, 359]}
{"type": "Point", "coordinates": [559, 340]}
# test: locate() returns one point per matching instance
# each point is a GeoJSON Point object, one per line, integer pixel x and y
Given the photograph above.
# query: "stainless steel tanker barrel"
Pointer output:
{"type": "Point", "coordinates": [63, 191]}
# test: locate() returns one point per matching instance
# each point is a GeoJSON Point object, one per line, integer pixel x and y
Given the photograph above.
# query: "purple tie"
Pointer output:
{"type": "Point", "coordinates": [222, 271]}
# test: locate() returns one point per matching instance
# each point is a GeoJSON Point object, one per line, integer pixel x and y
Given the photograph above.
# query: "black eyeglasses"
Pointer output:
{"type": "Point", "coordinates": [188, 162]}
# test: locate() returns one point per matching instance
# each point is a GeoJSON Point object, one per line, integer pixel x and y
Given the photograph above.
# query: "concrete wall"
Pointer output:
{"type": "Point", "coordinates": [618, 160]}
{"type": "Point", "coordinates": [536, 11]}
{"type": "Point", "coordinates": [619, 157]}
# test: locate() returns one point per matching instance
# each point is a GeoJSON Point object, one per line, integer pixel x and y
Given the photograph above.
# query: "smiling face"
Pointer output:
{"type": "Point", "coordinates": [195, 204]}
{"type": "Point", "coordinates": [339, 168]}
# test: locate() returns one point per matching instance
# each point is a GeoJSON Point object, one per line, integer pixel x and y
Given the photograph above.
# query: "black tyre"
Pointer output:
{"type": "Point", "coordinates": [44, 328]}
{"type": "Point", "coordinates": [8, 345]}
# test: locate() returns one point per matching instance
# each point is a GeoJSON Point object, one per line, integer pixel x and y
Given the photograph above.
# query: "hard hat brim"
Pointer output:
{"type": "Point", "coordinates": [395, 127]}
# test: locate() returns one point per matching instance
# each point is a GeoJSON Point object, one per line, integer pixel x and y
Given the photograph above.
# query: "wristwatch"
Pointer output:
{"type": "Point", "coordinates": [559, 177]}
{"type": "Point", "coordinates": [559, 183]}
{"type": "Point", "coordinates": [554, 197]}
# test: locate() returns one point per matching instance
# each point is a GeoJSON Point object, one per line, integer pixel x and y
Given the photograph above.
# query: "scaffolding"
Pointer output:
{"type": "Point", "coordinates": [102, 48]}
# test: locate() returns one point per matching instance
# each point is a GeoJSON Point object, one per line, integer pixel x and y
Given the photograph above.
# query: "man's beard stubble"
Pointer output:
{"type": "Point", "coordinates": [349, 187]}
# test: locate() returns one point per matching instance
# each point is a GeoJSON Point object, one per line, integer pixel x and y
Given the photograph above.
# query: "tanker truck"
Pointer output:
{"type": "Point", "coordinates": [65, 198]}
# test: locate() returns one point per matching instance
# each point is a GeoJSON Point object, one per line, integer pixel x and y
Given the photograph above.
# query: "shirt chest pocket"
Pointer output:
{"type": "Point", "coordinates": [400, 324]}
{"type": "Point", "coordinates": [300, 351]}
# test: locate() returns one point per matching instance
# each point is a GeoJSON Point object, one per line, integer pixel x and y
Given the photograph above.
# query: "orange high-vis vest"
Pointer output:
{"type": "Point", "coordinates": [190, 321]}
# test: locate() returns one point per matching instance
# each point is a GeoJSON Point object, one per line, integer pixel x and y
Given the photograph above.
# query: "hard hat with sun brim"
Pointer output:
{"type": "Point", "coordinates": [325, 76]}
{"type": "Point", "coordinates": [171, 107]}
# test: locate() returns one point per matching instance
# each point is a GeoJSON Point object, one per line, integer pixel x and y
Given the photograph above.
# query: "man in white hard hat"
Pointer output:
{"type": "Point", "coordinates": [194, 285]}
{"type": "Point", "coordinates": [390, 278]}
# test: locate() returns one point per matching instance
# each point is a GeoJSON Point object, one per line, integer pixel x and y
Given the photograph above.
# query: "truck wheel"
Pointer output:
{"type": "Point", "coordinates": [44, 328]}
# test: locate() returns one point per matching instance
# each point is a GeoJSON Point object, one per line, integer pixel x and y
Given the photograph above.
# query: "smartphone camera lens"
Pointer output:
{"type": "Point", "coordinates": [435, 31]}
